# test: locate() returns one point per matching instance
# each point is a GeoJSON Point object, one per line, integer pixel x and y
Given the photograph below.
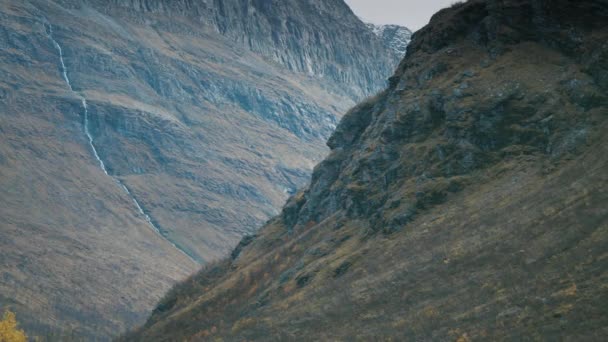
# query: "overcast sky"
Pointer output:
{"type": "Point", "coordinates": [411, 13]}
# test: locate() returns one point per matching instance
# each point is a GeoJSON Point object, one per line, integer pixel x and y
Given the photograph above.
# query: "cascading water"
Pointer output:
{"type": "Point", "coordinates": [87, 132]}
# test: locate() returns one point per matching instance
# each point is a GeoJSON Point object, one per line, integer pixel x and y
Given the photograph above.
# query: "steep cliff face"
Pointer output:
{"type": "Point", "coordinates": [465, 202]}
{"type": "Point", "coordinates": [396, 37]}
{"type": "Point", "coordinates": [322, 39]}
{"type": "Point", "coordinates": [134, 132]}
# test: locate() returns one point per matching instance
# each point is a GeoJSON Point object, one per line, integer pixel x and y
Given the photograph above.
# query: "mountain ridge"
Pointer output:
{"type": "Point", "coordinates": [464, 202]}
{"type": "Point", "coordinates": [263, 26]}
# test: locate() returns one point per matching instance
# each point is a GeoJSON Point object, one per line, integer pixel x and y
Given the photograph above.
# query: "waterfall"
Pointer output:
{"type": "Point", "coordinates": [102, 165]}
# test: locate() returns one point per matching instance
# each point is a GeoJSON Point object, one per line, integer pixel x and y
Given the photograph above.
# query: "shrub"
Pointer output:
{"type": "Point", "coordinates": [9, 331]}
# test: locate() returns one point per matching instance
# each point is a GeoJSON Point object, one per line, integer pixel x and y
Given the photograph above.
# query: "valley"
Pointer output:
{"type": "Point", "coordinates": [143, 139]}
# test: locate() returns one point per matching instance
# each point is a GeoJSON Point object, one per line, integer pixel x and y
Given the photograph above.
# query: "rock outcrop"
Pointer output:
{"type": "Point", "coordinates": [210, 113]}
{"type": "Point", "coordinates": [465, 202]}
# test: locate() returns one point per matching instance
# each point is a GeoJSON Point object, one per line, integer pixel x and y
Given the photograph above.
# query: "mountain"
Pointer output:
{"type": "Point", "coordinates": [466, 202]}
{"type": "Point", "coordinates": [394, 36]}
{"type": "Point", "coordinates": [143, 138]}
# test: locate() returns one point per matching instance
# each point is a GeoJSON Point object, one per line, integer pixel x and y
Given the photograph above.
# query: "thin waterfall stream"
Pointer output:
{"type": "Point", "coordinates": [102, 165]}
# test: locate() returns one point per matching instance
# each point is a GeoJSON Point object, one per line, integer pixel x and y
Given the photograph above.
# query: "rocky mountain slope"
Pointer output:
{"type": "Point", "coordinates": [394, 36]}
{"type": "Point", "coordinates": [466, 202]}
{"type": "Point", "coordinates": [139, 135]}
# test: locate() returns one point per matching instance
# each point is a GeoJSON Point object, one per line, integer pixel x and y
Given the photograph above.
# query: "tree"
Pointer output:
{"type": "Point", "coordinates": [9, 332]}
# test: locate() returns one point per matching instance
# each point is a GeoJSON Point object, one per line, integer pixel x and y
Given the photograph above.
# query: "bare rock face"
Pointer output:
{"type": "Point", "coordinates": [206, 116]}
{"type": "Point", "coordinates": [465, 202]}
{"type": "Point", "coordinates": [322, 39]}
{"type": "Point", "coordinates": [394, 36]}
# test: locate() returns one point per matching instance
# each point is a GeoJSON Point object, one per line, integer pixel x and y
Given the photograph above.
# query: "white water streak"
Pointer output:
{"type": "Point", "coordinates": [102, 165]}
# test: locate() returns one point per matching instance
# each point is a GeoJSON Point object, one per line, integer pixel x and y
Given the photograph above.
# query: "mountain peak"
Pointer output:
{"type": "Point", "coordinates": [396, 37]}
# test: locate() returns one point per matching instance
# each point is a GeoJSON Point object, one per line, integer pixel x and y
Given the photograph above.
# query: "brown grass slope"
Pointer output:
{"type": "Point", "coordinates": [466, 202]}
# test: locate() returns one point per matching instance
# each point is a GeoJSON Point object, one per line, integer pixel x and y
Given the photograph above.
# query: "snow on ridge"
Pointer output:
{"type": "Point", "coordinates": [394, 36]}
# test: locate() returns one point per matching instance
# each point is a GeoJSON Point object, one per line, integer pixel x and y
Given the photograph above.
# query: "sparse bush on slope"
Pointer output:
{"type": "Point", "coordinates": [9, 330]}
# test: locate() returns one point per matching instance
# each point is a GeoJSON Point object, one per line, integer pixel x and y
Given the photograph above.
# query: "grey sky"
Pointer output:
{"type": "Point", "coordinates": [411, 13]}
